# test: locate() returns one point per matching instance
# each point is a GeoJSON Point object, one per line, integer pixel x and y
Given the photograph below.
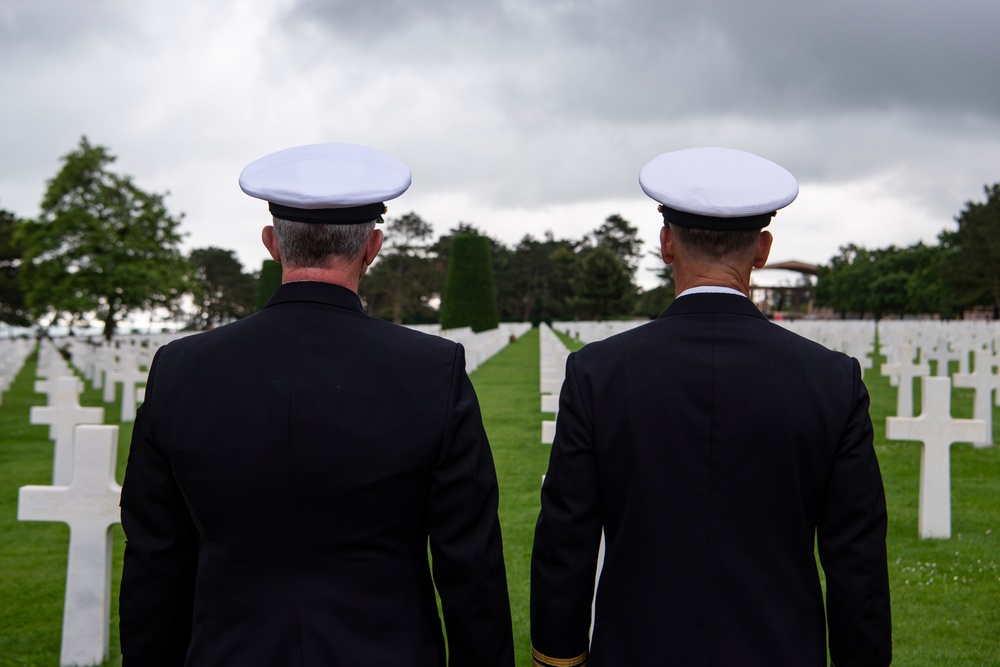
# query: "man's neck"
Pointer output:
{"type": "Point", "coordinates": [344, 276]}
{"type": "Point", "coordinates": [683, 283]}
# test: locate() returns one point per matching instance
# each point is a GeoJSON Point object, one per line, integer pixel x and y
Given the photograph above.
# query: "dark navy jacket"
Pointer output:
{"type": "Point", "coordinates": [286, 474]}
{"type": "Point", "coordinates": [715, 449]}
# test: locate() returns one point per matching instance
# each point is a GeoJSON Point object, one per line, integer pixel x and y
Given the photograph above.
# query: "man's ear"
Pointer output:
{"type": "Point", "coordinates": [763, 249]}
{"type": "Point", "coordinates": [666, 244]}
{"type": "Point", "coordinates": [271, 242]}
{"type": "Point", "coordinates": [372, 246]}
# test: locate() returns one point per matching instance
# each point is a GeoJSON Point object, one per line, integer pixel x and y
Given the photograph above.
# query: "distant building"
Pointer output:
{"type": "Point", "coordinates": [786, 299]}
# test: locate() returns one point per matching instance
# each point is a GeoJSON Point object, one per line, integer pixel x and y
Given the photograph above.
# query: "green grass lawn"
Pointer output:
{"type": "Point", "coordinates": [945, 593]}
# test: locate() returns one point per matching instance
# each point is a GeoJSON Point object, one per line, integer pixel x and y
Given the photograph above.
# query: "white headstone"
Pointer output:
{"type": "Point", "coordinates": [983, 381]}
{"type": "Point", "coordinates": [50, 361]}
{"type": "Point", "coordinates": [63, 417]}
{"type": "Point", "coordinates": [548, 432]}
{"type": "Point", "coordinates": [942, 355]}
{"type": "Point", "coordinates": [130, 375]}
{"type": "Point", "coordinates": [904, 370]}
{"type": "Point", "coordinates": [53, 388]}
{"type": "Point", "coordinates": [936, 429]}
{"type": "Point", "coordinates": [90, 506]}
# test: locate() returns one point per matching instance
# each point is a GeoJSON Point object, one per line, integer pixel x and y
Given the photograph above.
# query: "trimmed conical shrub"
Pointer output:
{"type": "Point", "coordinates": [470, 297]}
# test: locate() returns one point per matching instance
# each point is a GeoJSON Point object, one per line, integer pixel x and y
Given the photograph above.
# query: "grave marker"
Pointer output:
{"type": "Point", "coordinates": [982, 381]}
{"type": "Point", "coordinates": [89, 505]}
{"type": "Point", "coordinates": [942, 355]}
{"type": "Point", "coordinates": [62, 417]}
{"type": "Point", "coordinates": [936, 429]}
{"type": "Point", "coordinates": [904, 371]}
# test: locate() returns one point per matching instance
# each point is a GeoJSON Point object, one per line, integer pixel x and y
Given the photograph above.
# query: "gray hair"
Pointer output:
{"type": "Point", "coordinates": [307, 244]}
{"type": "Point", "coordinates": [716, 244]}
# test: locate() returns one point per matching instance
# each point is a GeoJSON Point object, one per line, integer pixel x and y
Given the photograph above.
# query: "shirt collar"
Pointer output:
{"type": "Point", "coordinates": [711, 289]}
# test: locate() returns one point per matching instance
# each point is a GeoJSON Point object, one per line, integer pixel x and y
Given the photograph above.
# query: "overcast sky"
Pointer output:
{"type": "Point", "coordinates": [518, 116]}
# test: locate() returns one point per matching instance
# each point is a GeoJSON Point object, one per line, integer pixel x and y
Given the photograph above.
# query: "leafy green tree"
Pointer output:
{"type": "Point", "coordinates": [220, 290]}
{"type": "Point", "coordinates": [12, 307]}
{"type": "Point", "coordinates": [927, 289]}
{"type": "Point", "coordinates": [885, 281]}
{"type": "Point", "coordinates": [617, 234]}
{"type": "Point", "coordinates": [404, 280]}
{"type": "Point", "coordinates": [101, 245]}
{"type": "Point", "coordinates": [843, 284]}
{"type": "Point", "coordinates": [602, 286]}
{"type": "Point", "coordinates": [536, 283]}
{"type": "Point", "coordinates": [973, 251]}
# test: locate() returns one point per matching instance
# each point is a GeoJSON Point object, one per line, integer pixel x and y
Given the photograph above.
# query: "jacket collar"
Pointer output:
{"type": "Point", "coordinates": [316, 292]}
{"type": "Point", "coordinates": [692, 304]}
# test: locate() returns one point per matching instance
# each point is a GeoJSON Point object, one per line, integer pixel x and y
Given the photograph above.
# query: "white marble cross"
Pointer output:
{"type": "Point", "coordinates": [983, 381]}
{"type": "Point", "coordinates": [943, 355]}
{"type": "Point", "coordinates": [131, 393]}
{"type": "Point", "coordinates": [62, 417]}
{"type": "Point", "coordinates": [936, 429]}
{"type": "Point", "coordinates": [904, 371]}
{"type": "Point", "coordinates": [54, 389]}
{"type": "Point", "coordinates": [50, 362]}
{"type": "Point", "coordinates": [90, 506]}
{"type": "Point", "coordinates": [129, 375]}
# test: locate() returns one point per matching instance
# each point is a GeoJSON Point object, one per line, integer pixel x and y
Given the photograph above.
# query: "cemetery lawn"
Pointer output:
{"type": "Point", "coordinates": [945, 593]}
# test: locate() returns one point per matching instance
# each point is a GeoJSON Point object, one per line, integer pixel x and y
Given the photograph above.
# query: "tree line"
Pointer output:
{"type": "Point", "coordinates": [102, 248]}
{"type": "Point", "coordinates": [961, 273]}
{"type": "Point", "coordinates": [537, 279]}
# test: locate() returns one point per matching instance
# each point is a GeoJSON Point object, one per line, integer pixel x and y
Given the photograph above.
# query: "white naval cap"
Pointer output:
{"type": "Point", "coordinates": [717, 188]}
{"type": "Point", "coordinates": [326, 183]}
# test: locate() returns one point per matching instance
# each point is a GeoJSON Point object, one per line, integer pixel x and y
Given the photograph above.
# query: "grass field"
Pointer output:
{"type": "Point", "coordinates": [945, 593]}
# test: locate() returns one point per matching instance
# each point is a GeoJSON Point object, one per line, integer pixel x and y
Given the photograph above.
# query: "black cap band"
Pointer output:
{"type": "Point", "coordinates": [696, 221]}
{"type": "Point", "coordinates": [353, 215]}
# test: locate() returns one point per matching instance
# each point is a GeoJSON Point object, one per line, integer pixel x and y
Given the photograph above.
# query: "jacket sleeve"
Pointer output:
{"type": "Point", "coordinates": [161, 552]}
{"type": "Point", "coordinates": [567, 536]}
{"type": "Point", "coordinates": [465, 540]}
{"type": "Point", "coordinates": [851, 540]}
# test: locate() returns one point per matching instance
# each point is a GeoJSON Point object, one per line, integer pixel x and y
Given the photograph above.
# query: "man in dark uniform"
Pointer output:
{"type": "Point", "coordinates": [715, 449]}
{"type": "Point", "coordinates": [288, 470]}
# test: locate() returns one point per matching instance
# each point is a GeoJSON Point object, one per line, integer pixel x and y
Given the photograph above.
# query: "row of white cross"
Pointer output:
{"type": "Point", "coordinates": [85, 495]}
{"type": "Point", "coordinates": [479, 346]}
{"type": "Point", "coordinates": [552, 369]}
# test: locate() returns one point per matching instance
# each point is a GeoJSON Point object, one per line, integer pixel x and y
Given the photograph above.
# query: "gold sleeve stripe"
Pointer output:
{"type": "Point", "coordinates": [542, 660]}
